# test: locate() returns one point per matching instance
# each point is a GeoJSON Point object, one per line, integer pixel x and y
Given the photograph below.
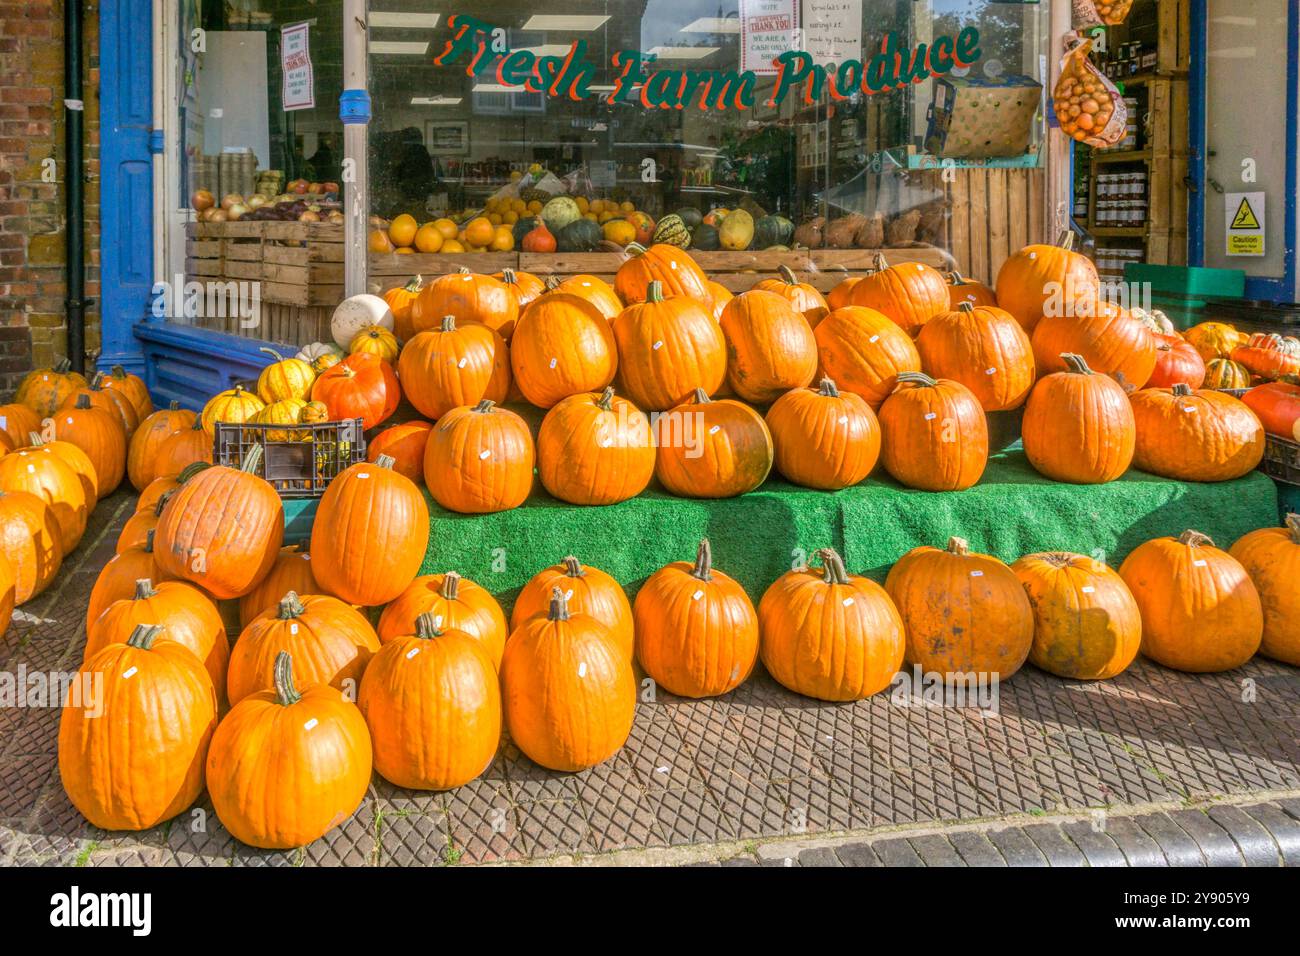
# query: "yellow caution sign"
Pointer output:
{"type": "Point", "coordinates": [1243, 218]}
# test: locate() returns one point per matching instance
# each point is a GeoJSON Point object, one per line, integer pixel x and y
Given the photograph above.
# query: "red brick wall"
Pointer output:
{"type": "Point", "coordinates": [33, 323]}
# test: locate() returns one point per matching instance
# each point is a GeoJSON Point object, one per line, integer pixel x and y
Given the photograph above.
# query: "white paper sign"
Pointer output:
{"type": "Point", "coordinates": [299, 90]}
{"type": "Point", "coordinates": [768, 28]}
{"type": "Point", "coordinates": [832, 30]}
{"type": "Point", "coordinates": [1244, 222]}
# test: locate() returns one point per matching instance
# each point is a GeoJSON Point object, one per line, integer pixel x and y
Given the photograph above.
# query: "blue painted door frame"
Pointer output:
{"type": "Point", "coordinates": [1262, 288]}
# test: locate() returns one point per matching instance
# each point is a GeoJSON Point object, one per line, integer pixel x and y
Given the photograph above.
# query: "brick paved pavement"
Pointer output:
{"type": "Point", "coordinates": [748, 773]}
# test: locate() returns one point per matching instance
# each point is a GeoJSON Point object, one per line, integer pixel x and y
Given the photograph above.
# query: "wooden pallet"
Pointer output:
{"type": "Point", "coordinates": [302, 263]}
{"type": "Point", "coordinates": [994, 214]}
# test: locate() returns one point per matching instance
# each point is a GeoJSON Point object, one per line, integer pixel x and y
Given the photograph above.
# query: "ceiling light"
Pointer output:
{"type": "Point", "coordinates": [424, 21]}
{"type": "Point", "coordinates": [713, 25]}
{"type": "Point", "coordinates": [683, 52]}
{"type": "Point", "coordinates": [435, 100]}
{"type": "Point", "coordinates": [405, 47]}
{"type": "Point", "coordinates": [546, 49]}
{"type": "Point", "coordinates": [548, 21]}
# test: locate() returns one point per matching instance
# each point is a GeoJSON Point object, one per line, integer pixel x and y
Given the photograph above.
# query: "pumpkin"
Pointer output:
{"type": "Point", "coordinates": [667, 348]}
{"type": "Point", "coordinates": [824, 439]}
{"type": "Point", "coordinates": [133, 387]}
{"type": "Point", "coordinates": [1195, 435]}
{"type": "Point", "coordinates": [370, 533]}
{"type": "Point", "coordinates": [29, 539]}
{"type": "Point", "coordinates": [770, 347]}
{"type": "Point", "coordinates": [1200, 611]}
{"type": "Point", "coordinates": [773, 231]}
{"type": "Point", "coordinates": [185, 613]}
{"type": "Point", "coordinates": [712, 449]}
{"type": "Point", "coordinates": [1042, 278]}
{"type": "Point", "coordinates": [1086, 623]}
{"type": "Point", "coordinates": [286, 411]}
{"type": "Point", "coordinates": [1111, 341]}
{"type": "Point", "coordinates": [985, 349]}
{"type": "Point", "coordinates": [595, 449]}
{"type": "Point", "coordinates": [562, 346]}
{"type": "Point", "coordinates": [184, 448]}
{"type": "Point", "coordinates": [114, 402]}
{"type": "Point", "coordinates": [222, 529]}
{"type": "Point", "coordinates": [331, 642]}
{"type": "Point", "coordinates": [581, 235]}
{"type": "Point", "coordinates": [404, 444]}
{"type": "Point", "coordinates": [356, 313]}
{"type": "Point", "coordinates": [136, 530]}
{"type": "Point", "coordinates": [400, 300]}
{"type": "Point", "coordinates": [290, 572]}
{"type": "Point", "coordinates": [19, 421]}
{"type": "Point", "coordinates": [479, 459]}
{"type": "Point", "coordinates": [433, 705]}
{"type": "Point", "coordinates": [234, 405]}
{"type": "Point", "coordinates": [863, 351]}
{"type": "Point", "coordinates": [560, 211]}
{"type": "Point", "coordinates": [721, 296]}
{"type": "Point", "coordinates": [567, 687]}
{"type": "Point", "coordinates": [678, 272]}
{"type": "Point", "coordinates": [8, 591]}
{"type": "Point", "coordinates": [287, 766]}
{"type": "Point", "coordinates": [1177, 363]}
{"type": "Point", "coordinates": [538, 239]}
{"type": "Point", "coordinates": [1213, 340]}
{"type": "Point", "coordinates": [1226, 374]}
{"type": "Point", "coordinates": [1277, 405]}
{"type": "Point", "coordinates": [284, 378]}
{"type": "Point", "coordinates": [587, 590]}
{"type": "Point", "coordinates": [52, 480]}
{"type": "Point", "coordinates": [910, 293]}
{"type": "Point", "coordinates": [77, 460]}
{"type": "Point", "coordinates": [134, 755]}
{"type": "Point", "coordinates": [805, 298]}
{"type": "Point", "coordinates": [470, 297]}
{"type": "Point", "coordinates": [832, 636]}
{"type": "Point", "coordinates": [145, 443]}
{"type": "Point", "coordinates": [671, 230]}
{"type": "Point", "coordinates": [117, 578]}
{"type": "Point", "coordinates": [44, 390]}
{"type": "Point", "coordinates": [963, 612]}
{"type": "Point", "coordinates": [1269, 356]}
{"type": "Point", "coordinates": [644, 225]}
{"type": "Point", "coordinates": [455, 604]}
{"type": "Point", "coordinates": [690, 217]}
{"type": "Point", "coordinates": [1078, 426]}
{"type": "Point", "coordinates": [696, 629]}
{"type": "Point", "coordinates": [523, 285]}
{"type": "Point", "coordinates": [376, 340]}
{"type": "Point", "coordinates": [935, 435]}
{"type": "Point", "coordinates": [156, 489]}
{"type": "Point", "coordinates": [737, 230]}
{"type": "Point", "coordinates": [454, 365]}
{"type": "Point", "coordinates": [705, 238]}
{"type": "Point", "coordinates": [962, 289]}
{"type": "Point", "coordinates": [1271, 556]}
{"type": "Point", "coordinates": [838, 297]}
{"type": "Point", "coordinates": [313, 413]}
{"type": "Point", "coordinates": [595, 290]}
{"type": "Point", "coordinates": [361, 386]}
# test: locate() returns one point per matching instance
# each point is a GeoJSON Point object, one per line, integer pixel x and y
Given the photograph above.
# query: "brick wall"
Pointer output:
{"type": "Point", "coordinates": [33, 323]}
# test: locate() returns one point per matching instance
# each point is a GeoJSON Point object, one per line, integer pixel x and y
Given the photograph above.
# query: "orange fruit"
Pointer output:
{"type": "Point", "coordinates": [452, 245]}
{"type": "Point", "coordinates": [379, 241]}
{"type": "Point", "coordinates": [503, 240]}
{"type": "Point", "coordinates": [402, 230]}
{"type": "Point", "coordinates": [428, 238]}
{"type": "Point", "coordinates": [479, 230]}
{"type": "Point", "coordinates": [627, 207]}
{"type": "Point", "coordinates": [446, 227]}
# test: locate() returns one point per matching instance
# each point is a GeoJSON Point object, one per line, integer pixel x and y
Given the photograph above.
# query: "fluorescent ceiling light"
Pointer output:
{"type": "Point", "coordinates": [713, 25]}
{"type": "Point", "coordinates": [424, 21]}
{"type": "Point", "coordinates": [435, 100]}
{"type": "Point", "coordinates": [550, 21]}
{"type": "Point", "coordinates": [684, 52]}
{"type": "Point", "coordinates": [405, 47]}
{"type": "Point", "coordinates": [546, 49]}
{"type": "Point", "coordinates": [601, 88]}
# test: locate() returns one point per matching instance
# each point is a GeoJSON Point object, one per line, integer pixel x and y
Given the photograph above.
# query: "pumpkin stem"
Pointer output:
{"type": "Point", "coordinates": [1195, 539]}
{"type": "Point", "coordinates": [386, 461]}
{"type": "Point", "coordinates": [63, 365]}
{"type": "Point", "coordinates": [463, 271]}
{"type": "Point", "coordinates": [1075, 363]}
{"type": "Point", "coordinates": [97, 383]}
{"type": "Point", "coordinates": [148, 541]}
{"type": "Point", "coordinates": [787, 274]}
{"type": "Point", "coordinates": [252, 460]}
{"type": "Point", "coordinates": [1182, 389]}
{"type": "Point", "coordinates": [270, 351]}
{"type": "Point", "coordinates": [175, 406]}
{"type": "Point", "coordinates": [965, 307]}
{"type": "Point", "coordinates": [117, 371]}
{"type": "Point", "coordinates": [162, 503]}
{"type": "Point", "coordinates": [414, 285]}
{"type": "Point", "coordinates": [286, 695]}
{"type": "Point", "coordinates": [1066, 241]}
{"type": "Point", "coordinates": [916, 378]}
{"type": "Point", "coordinates": [559, 606]}
{"type": "Point", "coordinates": [508, 277]}
{"type": "Point", "coordinates": [450, 585]}
{"type": "Point", "coordinates": [144, 589]}
{"type": "Point", "coordinates": [83, 401]}
{"type": "Point", "coordinates": [1124, 383]}
{"type": "Point", "coordinates": [1057, 559]}
{"type": "Point", "coordinates": [291, 607]}
{"type": "Point", "coordinates": [606, 398]}
{"type": "Point", "coordinates": [959, 546]}
{"type": "Point", "coordinates": [1293, 525]}
{"type": "Point", "coordinates": [828, 388]}
{"type": "Point", "coordinates": [955, 278]}
{"type": "Point", "coordinates": [703, 561]}
{"type": "Point", "coordinates": [484, 406]}
{"type": "Point", "coordinates": [833, 571]}
{"type": "Point", "coordinates": [192, 469]}
{"type": "Point", "coordinates": [552, 282]}
{"type": "Point", "coordinates": [144, 635]}
{"type": "Point", "coordinates": [426, 627]}
{"type": "Point", "coordinates": [448, 323]}
{"type": "Point", "coordinates": [654, 291]}
{"type": "Point", "coordinates": [702, 397]}
{"type": "Point", "coordinates": [880, 263]}
{"type": "Point", "coordinates": [572, 567]}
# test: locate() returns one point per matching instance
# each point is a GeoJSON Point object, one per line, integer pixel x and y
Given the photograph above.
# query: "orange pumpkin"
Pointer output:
{"type": "Point", "coordinates": [1269, 356]}
{"type": "Point", "coordinates": [1214, 340]}
{"type": "Point", "coordinates": [538, 239]}
{"type": "Point", "coordinates": [804, 298]}
{"type": "Point", "coordinates": [985, 349]}
{"type": "Point", "coordinates": [148, 439]}
{"type": "Point", "coordinates": [524, 286]}
{"type": "Point", "coordinates": [1177, 363]}
{"type": "Point", "coordinates": [587, 590]}
{"type": "Point", "coordinates": [44, 390]}
{"type": "Point", "coordinates": [712, 449]}
{"type": "Point", "coordinates": [935, 435]}
{"type": "Point", "coordinates": [595, 290]}
{"type": "Point", "coordinates": [910, 293]}
{"type": "Point", "coordinates": [1110, 340]}
{"type": "Point", "coordinates": [1043, 278]}
{"type": "Point", "coordinates": [470, 297]}
{"type": "Point", "coordinates": [183, 448]}
{"type": "Point", "coordinates": [595, 449]}
{"type": "Point", "coordinates": [674, 267]}
{"type": "Point", "coordinates": [961, 289]}
{"type": "Point", "coordinates": [770, 347]}
{"type": "Point", "coordinates": [375, 340]}
{"type": "Point", "coordinates": [455, 604]}
{"type": "Point", "coordinates": [667, 348]}
{"type": "Point", "coordinates": [49, 478]}
{"type": "Point", "coordinates": [117, 578]}
{"type": "Point", "coordinates": [1271, 556]}
{"type": "Point", "coordinates": [840, 296]}
{"type": "Point", "coordinates": [1200, 611]}
{"type": "Point", "coordinates": [29, 538]}
{"type": "Point", "coordinates": [111, 400]}
{"type": "Point", "coordinates": [400, 300]}
{"type": "Point", "coordinates": [17, 422]}
{"type": "Point", "coordinates": [562, 346]}
{"type": "Point", "coordinates": [133, 387]}
{"type": "Point", "coordinates": [290, 572]}
{"type": "Point", "coordinates": [404, 444]}
{"type": "Point", "coordinates": [360, 386]}
{"type": "Point", "coordinates": [863, 351]}
{"type": "Point", "coordinates": [99, 437]}
{"type": "Point", "coordinates": [1195, 435]}
{"type": "Point", "coordinates": [77, 460]}
{"type": "Point", "coordinates": [1277, 405]}
{"type": "Point", "coordinates": [721, 296]}
{"type": "Point", "coordinates": [450, 366]}
{"type": "Point", "coordinates": [137, 528]}
{"type": "Point", "coordinates": [824, 439]}
{"type": "Point", "coordinates": [1078, 426]}
{"type": "Point", "coordinates": [479, 459]}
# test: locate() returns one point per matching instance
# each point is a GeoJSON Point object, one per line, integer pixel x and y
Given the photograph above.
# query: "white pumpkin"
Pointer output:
{"type": "Point", "coordinates": [356, 313]}
{"type": "Point", "coordinates": [310, 353]}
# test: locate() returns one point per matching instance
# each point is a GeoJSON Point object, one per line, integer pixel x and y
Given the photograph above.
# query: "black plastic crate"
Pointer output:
{"type": "Point", "coordinates": [299, 461]}
{"type": "Point", "coordinates": [1281, 459]}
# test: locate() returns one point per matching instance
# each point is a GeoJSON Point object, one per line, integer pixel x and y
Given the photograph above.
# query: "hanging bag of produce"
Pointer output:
{"type": "Point", "coordinates": [1093, 13]}
{"type": "Point", "coordinates": [1088, 106]}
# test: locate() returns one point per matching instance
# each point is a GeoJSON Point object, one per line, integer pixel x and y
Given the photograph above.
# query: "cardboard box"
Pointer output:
{"type": "Point", "coordinates": [980, 118]}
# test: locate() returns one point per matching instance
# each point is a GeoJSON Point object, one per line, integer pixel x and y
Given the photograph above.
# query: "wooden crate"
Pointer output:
{"type": "Point", "coordinates": [994, 213]}
{"type": "Point", "coordinates": [302, 263]}
{"type": "Point", "coordinates": [388, 269]}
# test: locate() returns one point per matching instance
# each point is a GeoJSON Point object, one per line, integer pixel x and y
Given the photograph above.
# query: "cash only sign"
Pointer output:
{"type": "Point", "coordinates": [637, 78]}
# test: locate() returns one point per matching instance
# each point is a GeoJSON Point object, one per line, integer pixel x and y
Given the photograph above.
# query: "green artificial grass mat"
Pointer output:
{"type": "Point", "coordinates": [757, 537]}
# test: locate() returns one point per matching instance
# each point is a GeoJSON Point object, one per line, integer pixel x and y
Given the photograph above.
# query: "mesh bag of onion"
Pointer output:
{"type": "Point", "coordinates": [1088, 105]}
{"type": "Point", "coordinates": [1092, 13]}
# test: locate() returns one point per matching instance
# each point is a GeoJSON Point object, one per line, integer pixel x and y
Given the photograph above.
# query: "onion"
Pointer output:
{"type": "Point", "coordinates": [256, 200]}
{"type": "Point", "coordinates": [230, 199]}
{"type": "Point", "coordinates": [237, 211]}
{"type": "Point", "coordinates": [309, 216]}
{"type": "Point", "coordinates": [202, 199]}
{"type": "Point", "coordinates": [218, 215]}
